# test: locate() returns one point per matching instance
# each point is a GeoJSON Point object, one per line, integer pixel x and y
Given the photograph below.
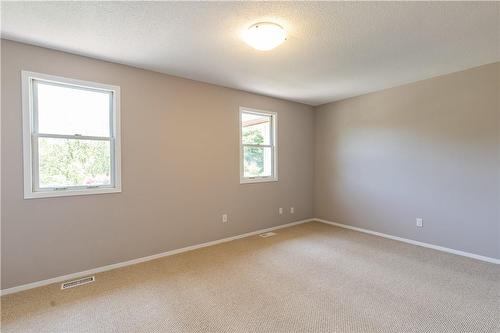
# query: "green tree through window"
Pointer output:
{"type": "Point", "coordinates": [254, 156]}
{"type": "Point", "coordinates": [73, 162]}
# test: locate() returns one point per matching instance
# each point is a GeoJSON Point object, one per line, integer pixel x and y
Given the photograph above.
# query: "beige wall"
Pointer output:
{"type": "Point", "coordinates": [180, 171]}
{"type": "Point", "coordinates": [429, 149]}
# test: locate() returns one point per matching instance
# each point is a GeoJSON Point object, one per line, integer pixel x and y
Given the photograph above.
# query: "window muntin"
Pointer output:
{"type": "Point", "coordinates": [71, 136]}
{"type": "Point", "coordinates": [257, 146]}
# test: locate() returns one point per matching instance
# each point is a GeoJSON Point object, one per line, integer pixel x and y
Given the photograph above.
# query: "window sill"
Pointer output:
{"type": "Point", "coordinates": [258, 180]}
{"type": "Point", "coordinates": [69, 193]}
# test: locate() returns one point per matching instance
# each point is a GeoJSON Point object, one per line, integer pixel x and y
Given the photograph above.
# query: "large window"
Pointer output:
{"type": "Point", "coordinates": [258, 146]}
{"type": "Point", "coordinates": [71, 136]}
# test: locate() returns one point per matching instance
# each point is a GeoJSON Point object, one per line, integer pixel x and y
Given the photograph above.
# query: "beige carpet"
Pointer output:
{"type": "Point", "coordinates": [308, 278]}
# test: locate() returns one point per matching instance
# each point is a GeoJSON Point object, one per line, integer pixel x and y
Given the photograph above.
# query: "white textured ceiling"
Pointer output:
{"type": "Point", "coordinates": [334, 49]}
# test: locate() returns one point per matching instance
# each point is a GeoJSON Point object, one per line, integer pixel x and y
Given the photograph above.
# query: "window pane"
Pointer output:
{"type": "Point", "coordinates": [71, 162]}
{"type": "Point", "coordinates": [257, 162]}
{"type": "Point", "coordinates": [72, 110]}
{"type": "Point", "coordinates": [255, 129]}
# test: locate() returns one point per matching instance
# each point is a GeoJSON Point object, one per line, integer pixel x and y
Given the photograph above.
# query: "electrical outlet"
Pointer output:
{"type": "Point", "coordinates": [280, 211]}
{"type": "Point", "coordinates": [292, 210]}
{"type": "Point", "coordinates": [420, 222]}
{"type": "Point", "coordinates": [224, 218]}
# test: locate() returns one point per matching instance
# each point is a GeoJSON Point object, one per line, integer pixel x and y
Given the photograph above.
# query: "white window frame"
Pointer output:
{"type": "Point", "coordinates": [273, 145]}
{"type": "Point", "coordinates": [30, 136]}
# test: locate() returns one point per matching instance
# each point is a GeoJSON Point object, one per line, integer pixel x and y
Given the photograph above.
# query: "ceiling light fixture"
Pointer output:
{"type": "Point", "coordinates": [264, 36]}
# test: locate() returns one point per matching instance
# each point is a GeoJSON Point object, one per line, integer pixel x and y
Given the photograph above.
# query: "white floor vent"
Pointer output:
{"type": "Point", "coordinates": [78, 282]}
{"type": "Point", "coordinates": [267, 234]}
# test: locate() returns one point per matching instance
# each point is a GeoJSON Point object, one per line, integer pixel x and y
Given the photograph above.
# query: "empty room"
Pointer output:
{"type": "Point", "coordinates": [250, 167]}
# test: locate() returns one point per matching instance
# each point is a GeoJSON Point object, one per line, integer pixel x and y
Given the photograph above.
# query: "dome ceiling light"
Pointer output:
{"type": "Point", "coordinates": [264, 36]}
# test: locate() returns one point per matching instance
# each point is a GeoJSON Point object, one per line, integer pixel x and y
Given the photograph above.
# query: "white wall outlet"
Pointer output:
{"type": "Point", "coordinates": [292, 210]}
{"type": "Point", "coordinates": [280, 211]}
{"type": "Point", "coordinates": [420, 222]}
{"type": "Point", "coordinates": [224, 218]}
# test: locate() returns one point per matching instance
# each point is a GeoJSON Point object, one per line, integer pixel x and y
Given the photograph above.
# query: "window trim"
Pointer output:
{"type": "Point", "coordinates": [31, 189]}
{"type": "Point", "coordinates": [274, 146]}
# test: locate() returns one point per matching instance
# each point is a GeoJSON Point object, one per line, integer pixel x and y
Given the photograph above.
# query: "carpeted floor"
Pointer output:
{"type": "Point", "coordinates": [308, 278]}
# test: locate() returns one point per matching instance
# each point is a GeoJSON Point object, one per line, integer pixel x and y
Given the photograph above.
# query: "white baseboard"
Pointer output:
{"type": "Point", "coordinates": [228, 239]}
{"type": "Point", "coordinates": [410, 241]}
{"type": "Point", "coordinates": [143, 259]}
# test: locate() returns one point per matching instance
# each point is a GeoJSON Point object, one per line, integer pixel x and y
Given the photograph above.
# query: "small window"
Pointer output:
{"type": "Point", "coordinates": [71, 136]}
{"type": "Point", "coordinates": [258, 146]}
